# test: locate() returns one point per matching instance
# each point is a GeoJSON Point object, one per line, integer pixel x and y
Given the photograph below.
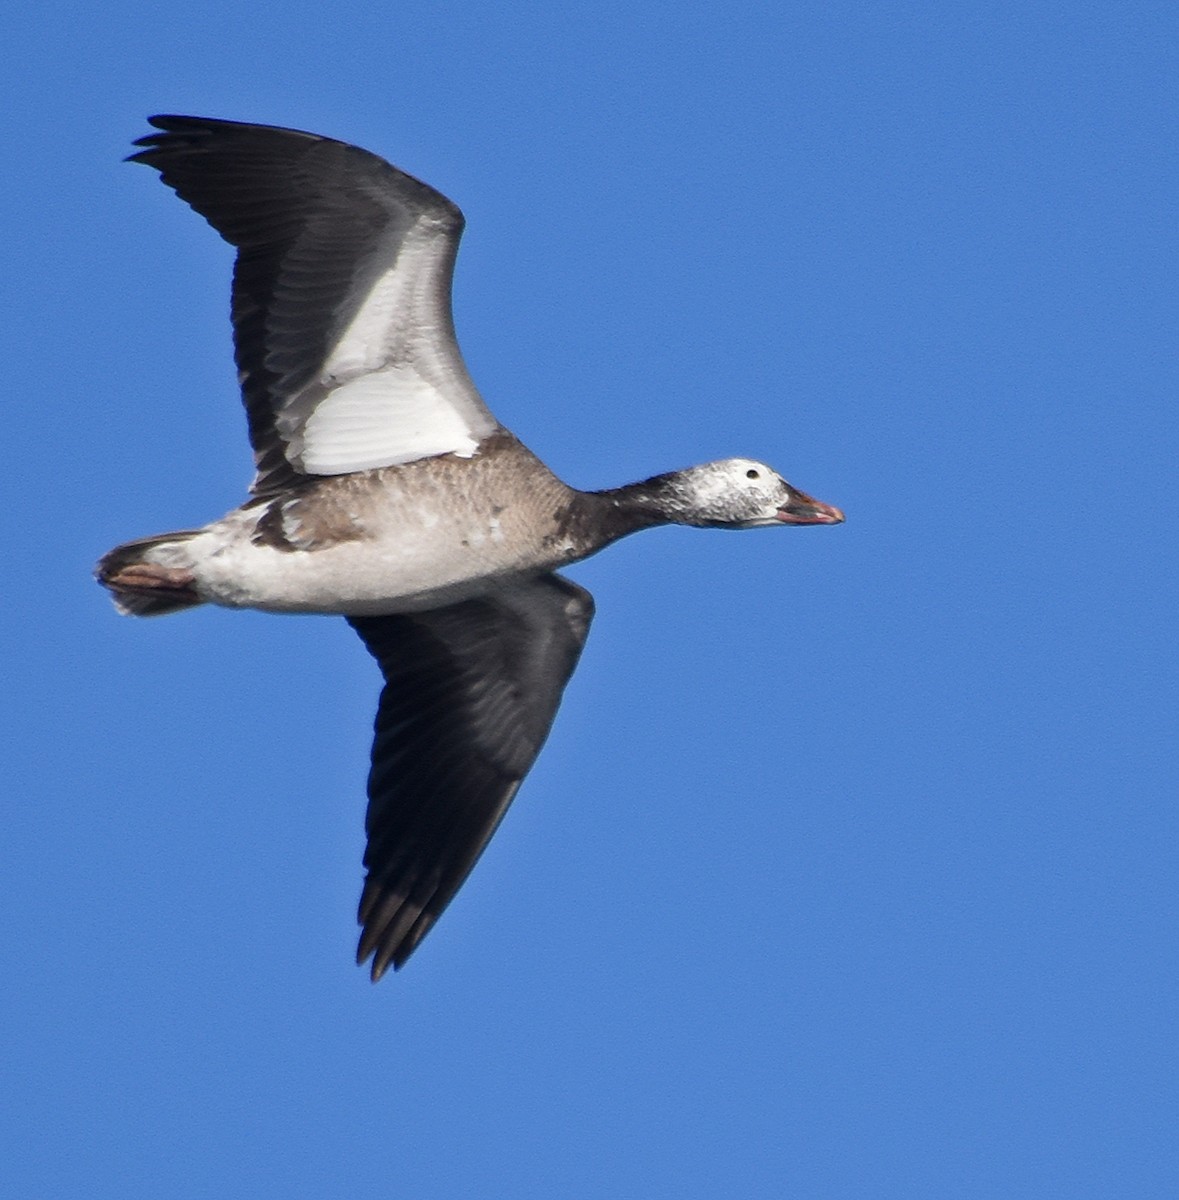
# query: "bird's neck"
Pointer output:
{"type": "Point", "coordinates": [616, 512]}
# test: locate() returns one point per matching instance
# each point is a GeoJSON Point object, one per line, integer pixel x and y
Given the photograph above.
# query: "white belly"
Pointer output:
{"type": "Point", "coordinates": [420, 564]}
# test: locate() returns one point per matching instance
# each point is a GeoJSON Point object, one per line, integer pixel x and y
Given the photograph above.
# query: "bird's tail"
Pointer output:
{"type": "Point", "coordinates": [151, 576]}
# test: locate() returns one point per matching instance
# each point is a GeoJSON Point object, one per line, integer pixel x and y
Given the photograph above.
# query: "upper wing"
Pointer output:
{"type": "Point", "coordinates": [470, 693]}
{"type": "Point", "coordinates": [342, 324]}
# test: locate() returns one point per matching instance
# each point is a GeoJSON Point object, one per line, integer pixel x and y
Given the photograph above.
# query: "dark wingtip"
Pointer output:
{"type": "Point", "coordinates": [378, 968]}
{"type": "Point", "coordinates": [170, 125]}
{"type": "Point", "coordinates": [395, 951]}
{"type": "Point", "coordinates": [383, 959]}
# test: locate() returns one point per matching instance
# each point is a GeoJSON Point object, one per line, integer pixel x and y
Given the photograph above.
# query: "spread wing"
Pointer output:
{"type": "Point", "coordinates": [341, 312]}
{"type": "Point", "coordinates": [470, 693]}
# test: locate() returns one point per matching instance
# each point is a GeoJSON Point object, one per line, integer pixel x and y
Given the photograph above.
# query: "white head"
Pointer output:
{"type": "Point", "coordinates": [737, 493]}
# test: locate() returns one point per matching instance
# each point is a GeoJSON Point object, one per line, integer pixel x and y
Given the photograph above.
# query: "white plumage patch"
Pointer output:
{"type": "Point", "coordinates": [393, 387]}
{"type": "Point", "coordinates": [376, 420]}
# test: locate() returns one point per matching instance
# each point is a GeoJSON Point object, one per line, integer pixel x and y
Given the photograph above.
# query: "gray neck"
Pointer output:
{"type": "Point", "coordinates": [598, 518]}
{"type": "Point", "coordinates": [661, 500]}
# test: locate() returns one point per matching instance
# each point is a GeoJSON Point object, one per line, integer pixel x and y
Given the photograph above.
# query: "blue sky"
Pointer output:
{"type": "Point", "coordinates": [849, 869]}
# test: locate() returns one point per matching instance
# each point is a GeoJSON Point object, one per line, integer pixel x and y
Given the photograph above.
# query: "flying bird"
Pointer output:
{"type": "Point", "coordinates": [386, 492]}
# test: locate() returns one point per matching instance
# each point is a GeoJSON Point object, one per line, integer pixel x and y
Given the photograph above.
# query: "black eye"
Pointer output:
{"type": "Point", "coordinates": [752, 474]}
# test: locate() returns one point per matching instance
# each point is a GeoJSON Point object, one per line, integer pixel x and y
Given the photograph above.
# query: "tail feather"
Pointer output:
{"type": "Point", "coordinates": [140, 585]}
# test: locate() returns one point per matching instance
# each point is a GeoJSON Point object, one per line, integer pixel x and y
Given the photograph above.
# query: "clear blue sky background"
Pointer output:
{"type": "Point", "coordinates": [849, 870]}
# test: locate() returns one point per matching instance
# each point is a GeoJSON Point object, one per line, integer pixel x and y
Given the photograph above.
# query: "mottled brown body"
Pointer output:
{"type": "Point", "coordinates": [393, 539]}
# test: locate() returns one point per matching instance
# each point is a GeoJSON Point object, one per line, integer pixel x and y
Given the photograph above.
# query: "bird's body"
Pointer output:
{"type": "Point", "coordinates": [390, 539]}
{"type": "Point", "coordinates": [388, 493]}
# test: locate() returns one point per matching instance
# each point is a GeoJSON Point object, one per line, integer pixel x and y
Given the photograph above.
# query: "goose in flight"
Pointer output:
{"type": "Point", "coordinates": [386, 492]}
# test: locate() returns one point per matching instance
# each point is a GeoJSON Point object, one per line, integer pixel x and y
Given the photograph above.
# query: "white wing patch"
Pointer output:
{"type": "Point", "coordinates": [376, 420]}
{"type": "Point", "coordinates": [394, 387]}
